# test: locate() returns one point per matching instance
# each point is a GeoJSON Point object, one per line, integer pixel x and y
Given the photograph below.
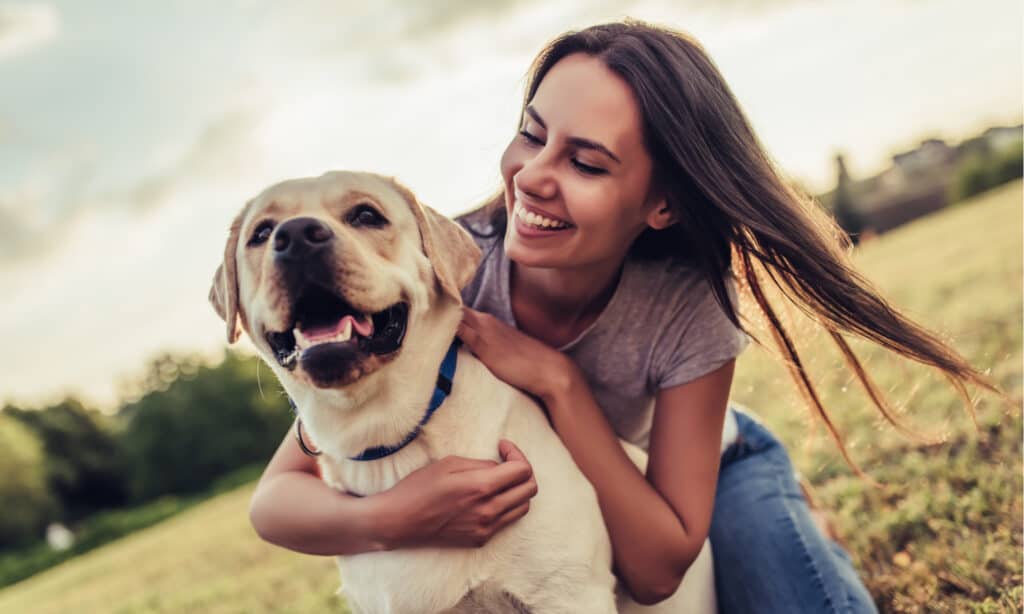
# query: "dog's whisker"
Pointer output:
{"type": "Point", "coordinates": [259, 382]}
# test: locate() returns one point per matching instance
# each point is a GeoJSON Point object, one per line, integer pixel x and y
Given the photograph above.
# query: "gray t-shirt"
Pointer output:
{"type": "Point", "coordinates": [661, 328]}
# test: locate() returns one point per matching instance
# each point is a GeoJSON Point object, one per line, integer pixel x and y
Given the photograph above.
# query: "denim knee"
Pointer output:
{"type": "Point", "coordinates": [769, 555]}
{"type": "Point", "coordinates": [752, 437]}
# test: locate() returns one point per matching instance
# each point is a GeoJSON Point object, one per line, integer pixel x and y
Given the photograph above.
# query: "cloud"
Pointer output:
{"type": "Point", "coordinates": [431, 19]}
{"type": "Point", "coordinates": [44, 204]}
{"type": "Point", "coordinates": [24, 27]}
{"type": "Point", "coordinates": [37, 215]}
{"type": "Point", "coordinates": [223, 149]}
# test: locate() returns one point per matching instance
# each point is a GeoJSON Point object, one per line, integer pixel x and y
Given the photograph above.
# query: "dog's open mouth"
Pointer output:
{"type": "Point", "coordinates": [326, 328]}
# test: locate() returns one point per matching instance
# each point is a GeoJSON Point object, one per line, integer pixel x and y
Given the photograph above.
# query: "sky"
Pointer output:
{"type": "Point", "coordinates": [131, 133]}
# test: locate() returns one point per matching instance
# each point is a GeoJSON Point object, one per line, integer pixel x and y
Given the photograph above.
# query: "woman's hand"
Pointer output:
{"type": "Point", "coordinates": [515, 357]}
{"type": "Point", "coordinates": [458, 501]}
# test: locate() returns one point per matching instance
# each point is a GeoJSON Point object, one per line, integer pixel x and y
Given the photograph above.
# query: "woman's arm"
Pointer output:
{"type": "Point", "coordinates": [657, 523]}
{"type": "Point", "coordinates": [453, 502]}
{"type": "Point", "coordinates": [293, 508]}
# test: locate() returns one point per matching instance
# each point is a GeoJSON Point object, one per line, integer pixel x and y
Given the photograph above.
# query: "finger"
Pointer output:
{"type": "Point", "coordinates": [512, 497]}
{"type": "Point", "coordinates": [510, 451]}
{"type": "Point", "coordinates": [470, 316]}
{"type": "Point", "coordinates": [460, 464]}
{"type": "Point", "coordinates": [489, 481]}
{"type": "Point", "coordinates": [509, 517]}
{"type": "Point", "coordinates": [468, 335]}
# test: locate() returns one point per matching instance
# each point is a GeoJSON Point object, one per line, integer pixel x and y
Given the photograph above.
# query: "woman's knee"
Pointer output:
{"type": "Point", "coordinates": [769, 555]}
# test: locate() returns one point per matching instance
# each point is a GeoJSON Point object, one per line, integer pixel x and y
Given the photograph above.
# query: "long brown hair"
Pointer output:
{"type": "Point", "coordinates": [735, 212]}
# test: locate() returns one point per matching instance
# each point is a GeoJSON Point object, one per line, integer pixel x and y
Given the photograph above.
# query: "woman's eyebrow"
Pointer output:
{"type": "Point", "coordinates": [574, 140]}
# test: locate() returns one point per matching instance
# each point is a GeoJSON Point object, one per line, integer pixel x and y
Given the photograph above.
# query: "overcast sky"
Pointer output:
{"type": "Point", "coordinates": [130, 133]}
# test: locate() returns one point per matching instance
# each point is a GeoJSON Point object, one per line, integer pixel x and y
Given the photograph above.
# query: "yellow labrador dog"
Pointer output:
{"type": "Point", "coordinates": [349, 289]}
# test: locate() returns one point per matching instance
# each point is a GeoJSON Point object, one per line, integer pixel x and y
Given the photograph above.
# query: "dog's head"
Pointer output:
{"type": "Point", "coordinates": [328, 274]}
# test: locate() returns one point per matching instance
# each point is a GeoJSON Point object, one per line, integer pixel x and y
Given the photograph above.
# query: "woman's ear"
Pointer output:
{"type": "Point", "coordinates": [661, 215]}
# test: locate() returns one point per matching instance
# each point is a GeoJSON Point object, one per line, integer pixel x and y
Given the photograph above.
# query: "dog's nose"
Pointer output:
{"type": "Point", "coordinates": [300, 237]}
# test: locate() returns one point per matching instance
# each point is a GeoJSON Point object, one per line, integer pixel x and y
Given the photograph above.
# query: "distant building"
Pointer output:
{"type": "Point", "coordinates": [919, 181]}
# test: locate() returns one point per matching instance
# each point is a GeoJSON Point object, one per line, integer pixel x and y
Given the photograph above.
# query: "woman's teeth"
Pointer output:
{"type": "Point", "coordinates": [539, 221]}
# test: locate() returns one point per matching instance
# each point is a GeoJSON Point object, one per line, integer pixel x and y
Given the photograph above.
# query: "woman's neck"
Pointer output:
{"type": "Point", "coordinates": [556, 305]}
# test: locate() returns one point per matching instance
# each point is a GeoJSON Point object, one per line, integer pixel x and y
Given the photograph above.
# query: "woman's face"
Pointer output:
{"type": "Point", "coordinates": [577, 177]}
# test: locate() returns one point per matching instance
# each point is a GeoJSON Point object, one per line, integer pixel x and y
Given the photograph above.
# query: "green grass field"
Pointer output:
{"type": "Point", "coordinates": [941, 534]}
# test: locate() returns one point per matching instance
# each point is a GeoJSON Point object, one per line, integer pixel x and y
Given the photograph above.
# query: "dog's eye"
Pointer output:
{"type": "Point", "coordinates": [365, 215]}
{"type": "Point", "coordinates": [262, 233]}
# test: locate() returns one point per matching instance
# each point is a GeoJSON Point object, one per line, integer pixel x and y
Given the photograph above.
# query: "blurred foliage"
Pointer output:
{"type": "Point", "coordinates": [24, 497]}
{"type": "Point", "coordinates": [194, 423]}
{"type": "Point", "coordinates": [104, 527]}
{"type": "Point", "coordinates": [846, 214]}
{"type": "Point", "coordinates": [82, 467]}
{"type": "Point", "coordinates": [843, 204]}
{"type": "Point", "coordinates": [984, 171]}
{"type": "Point", "coordinates": [186, 425]}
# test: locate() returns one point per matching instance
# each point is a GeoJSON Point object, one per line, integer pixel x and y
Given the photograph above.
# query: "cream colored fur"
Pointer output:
{"type": "Point", "coordinates": [555, 559]}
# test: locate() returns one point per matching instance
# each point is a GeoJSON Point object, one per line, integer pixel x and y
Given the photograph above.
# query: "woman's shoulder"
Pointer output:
{"type": "Point", "coordinates": [691, 332]}
{"type": "Point", "coordinates": [670, 280]}
{"type": "Point", "coordinates": [675, 294]}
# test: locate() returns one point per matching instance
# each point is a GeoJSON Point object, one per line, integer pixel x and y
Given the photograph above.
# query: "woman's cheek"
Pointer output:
{"type": "Point", "coordinates": [511, 161]}
{"type": "Point", "coordinates": [592, 205]}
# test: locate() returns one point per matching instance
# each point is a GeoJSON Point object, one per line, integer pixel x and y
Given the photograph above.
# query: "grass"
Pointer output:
{"type": "Point", "coordinates": [107, 526]}
{"type": "Point", "coordinates": [943, 531]}
{"type": "Point", "coordinates": [941, 534]}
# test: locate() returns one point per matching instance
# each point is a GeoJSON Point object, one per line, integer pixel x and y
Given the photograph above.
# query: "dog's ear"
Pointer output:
{"type": "Point", "coordinates": [224, 290]}
{"type": "Point", "coordinates": [448, 246]}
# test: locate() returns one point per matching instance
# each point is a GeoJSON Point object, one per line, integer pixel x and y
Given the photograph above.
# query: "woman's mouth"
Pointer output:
{"type": "Point", "coordinates": [537, 223]}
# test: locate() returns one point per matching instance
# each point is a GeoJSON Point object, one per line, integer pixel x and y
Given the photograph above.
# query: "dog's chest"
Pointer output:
{"type": "Point", "coordinates": [363, 478]}
{"type": "Point", "coordinates": [492, 599]}
{"type": "Point", "coordinates": [414, 580]}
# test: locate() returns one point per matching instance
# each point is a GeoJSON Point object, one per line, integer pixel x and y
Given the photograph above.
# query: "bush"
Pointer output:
{"type": "Point", "coordinates": [984, 172]}
{"type": "Point", "coordinates": [198, 423]}
{"type": "Point", "coordinates": [26, 501]}
{"type": "Point", "coordinates": [81, 462]}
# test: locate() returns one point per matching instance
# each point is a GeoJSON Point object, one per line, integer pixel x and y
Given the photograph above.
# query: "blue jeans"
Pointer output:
{"type": "Point", "coordinates": [769, 555]}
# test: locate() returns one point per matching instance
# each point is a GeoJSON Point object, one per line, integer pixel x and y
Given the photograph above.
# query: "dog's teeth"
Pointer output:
{"type": "Point", "coordinates": [346, 331]}
{"type": "Point", "coordinates": [302, 342]}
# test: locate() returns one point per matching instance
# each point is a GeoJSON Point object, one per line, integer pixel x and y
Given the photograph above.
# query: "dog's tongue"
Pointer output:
{"type": "Point", "coordinates": [363, 328]}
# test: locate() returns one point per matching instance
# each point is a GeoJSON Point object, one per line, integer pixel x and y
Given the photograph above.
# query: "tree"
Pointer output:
{"type": "Point", "coordinates": [844, 208]}
{"type": "Point", "coordinates": [196, 424]}
{"type": "Point", "coordinates": [82, 467]}
{"type": "Point", "coordinates": [24, 498]}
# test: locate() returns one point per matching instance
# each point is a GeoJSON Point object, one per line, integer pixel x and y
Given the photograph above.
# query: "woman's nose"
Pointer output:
{"type": "Point", "coordinates": [536, 177]}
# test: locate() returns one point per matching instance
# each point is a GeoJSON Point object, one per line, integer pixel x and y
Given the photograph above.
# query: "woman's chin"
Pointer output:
{"type": "Point", "coordinates": [526, 256]}
{"type": "Point", "coordinates": [532, 256]}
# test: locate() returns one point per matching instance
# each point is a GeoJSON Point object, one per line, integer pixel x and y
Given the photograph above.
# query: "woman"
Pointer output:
{"type": "Point", "coordinates": [634, 186]}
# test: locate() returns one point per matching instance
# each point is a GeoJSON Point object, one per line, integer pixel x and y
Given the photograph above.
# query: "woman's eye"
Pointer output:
{"type": "Point", "coordinates": [262, 233]}
{"type": "Point", "coordinates": [586, 168]}
{"type": "Point", "coordinates": [365, 215]}
{"type": "Point", "coordinates": [530, 138]}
